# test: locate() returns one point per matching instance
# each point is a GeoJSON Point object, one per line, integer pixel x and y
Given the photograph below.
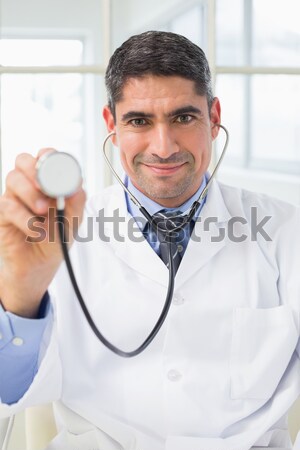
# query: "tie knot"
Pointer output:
{"type": "Point", "coordinates": [166, 222]}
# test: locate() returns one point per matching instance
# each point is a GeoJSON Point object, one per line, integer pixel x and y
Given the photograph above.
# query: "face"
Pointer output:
{"type": "Point", "coordinates": [164, 132]}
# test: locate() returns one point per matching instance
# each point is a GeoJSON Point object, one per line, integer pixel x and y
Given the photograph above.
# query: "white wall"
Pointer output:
{"type": "Point", "coordinates": [141, 14]}
{"type": "Point", "coordinates": [283, 187]}
{"type": "Point", "coordinates": [81, 18]}
{"type": "Point", "coordinates": [135, 16]}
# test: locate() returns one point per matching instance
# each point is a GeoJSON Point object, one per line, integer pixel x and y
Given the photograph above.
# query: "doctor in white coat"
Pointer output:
{"type": "Point", "coordinates": [225, 368]}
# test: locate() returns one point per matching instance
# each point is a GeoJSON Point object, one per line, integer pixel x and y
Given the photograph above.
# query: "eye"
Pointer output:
{"type": "Point", "coordinates": [184, 118]}
{"type": "Point", "coordinates": [138, 122]}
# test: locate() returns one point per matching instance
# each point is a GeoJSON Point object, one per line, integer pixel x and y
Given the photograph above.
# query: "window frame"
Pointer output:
{"type": "Point", "coordinates": [83, 69]}
{"type": "Point", "coordinates": [247, 69]}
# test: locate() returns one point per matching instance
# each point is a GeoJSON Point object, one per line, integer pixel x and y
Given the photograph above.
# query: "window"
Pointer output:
{"type": "Point", "coordinates": [52, 62]}
{"type": "Point", "coordinates": [190, 23]}
{"type": "Point", "coordinates": [40, 110]}
{"type": "Point", "coordinates": [257, 79]}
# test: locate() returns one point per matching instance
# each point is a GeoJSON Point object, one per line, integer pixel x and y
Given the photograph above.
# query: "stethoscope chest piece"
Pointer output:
{"type": "Point", "coordinates": [58, 174]}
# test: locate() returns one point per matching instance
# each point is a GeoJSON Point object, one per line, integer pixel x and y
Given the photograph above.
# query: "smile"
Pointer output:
{"type": "Point", "coordinates": [165, 169]}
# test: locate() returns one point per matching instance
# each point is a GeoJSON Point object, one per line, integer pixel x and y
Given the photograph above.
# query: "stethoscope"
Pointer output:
{"type": "Point", "coordinates": [59, 176]}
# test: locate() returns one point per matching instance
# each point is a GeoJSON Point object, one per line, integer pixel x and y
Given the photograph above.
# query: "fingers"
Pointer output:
{"type": "Point", "coordinates": [22, 183]}
{"type": "Point", "coordinates": [75, 203]}
{"type": "Point", "coordinates": [22, 187]}
{"type": "Point", "coordinates": [45, 150]}
{"type": "Point", "coordinates": [26, 163]}
{"type": "Point", "coordinates": [12, 212]}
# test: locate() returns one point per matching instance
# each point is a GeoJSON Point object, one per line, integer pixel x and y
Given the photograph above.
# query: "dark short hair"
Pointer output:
{"type": "Point", "coordinates": [157, 53]}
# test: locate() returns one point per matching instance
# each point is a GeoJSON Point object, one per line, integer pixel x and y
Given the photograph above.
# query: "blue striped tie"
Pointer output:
{"type": "Point", "coordinates": [167, 221]}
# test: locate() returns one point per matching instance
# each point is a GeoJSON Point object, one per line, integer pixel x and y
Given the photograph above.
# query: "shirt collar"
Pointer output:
{"type": "Point", "coordinates": [153, 207]}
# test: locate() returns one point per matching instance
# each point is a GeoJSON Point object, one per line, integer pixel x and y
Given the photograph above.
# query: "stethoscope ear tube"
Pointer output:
{"type": "Point", "coordinates": [202, 195]}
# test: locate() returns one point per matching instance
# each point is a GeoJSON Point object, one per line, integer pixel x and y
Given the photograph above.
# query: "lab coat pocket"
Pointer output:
{"type": "Point", "coordinates": [83, 441]}
{"type": "Point", "coordinates": [92, 440]}
{"type": "Point", "coordinates": [263, 341]}
{"type": "Point", "coordinates": [66, 440]}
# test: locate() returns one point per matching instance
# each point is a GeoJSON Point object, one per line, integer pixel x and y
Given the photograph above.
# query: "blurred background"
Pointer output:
{"type": "Point", "coordinates": [53, 56]}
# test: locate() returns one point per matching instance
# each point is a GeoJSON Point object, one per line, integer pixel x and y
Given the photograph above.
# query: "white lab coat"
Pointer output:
{"type": "Point", "coordinates": [225, 368]}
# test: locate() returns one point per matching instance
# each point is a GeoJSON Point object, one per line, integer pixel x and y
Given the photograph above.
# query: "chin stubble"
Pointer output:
{"type": "Point", "coordinates": [164, 189]}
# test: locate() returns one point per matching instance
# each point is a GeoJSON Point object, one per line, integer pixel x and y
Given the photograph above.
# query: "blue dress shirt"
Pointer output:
{"type": "Point", "coordinates": [20, 338]}
{"type": "Point", "coordinates": [152, 207]}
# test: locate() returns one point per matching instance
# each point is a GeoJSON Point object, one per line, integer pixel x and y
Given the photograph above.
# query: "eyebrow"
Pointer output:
{"type": "Point", "coordinates": [176, 112]}
{"type": "Point", "coordinates": [185, 110]}
{"type": "Point", "coordinates": [136, 114]}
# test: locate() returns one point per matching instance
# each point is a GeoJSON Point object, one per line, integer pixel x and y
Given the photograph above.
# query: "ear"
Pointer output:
{"type": "Point", "coordinates": [110, 122]}
{"type": "Point", "coordinates": [215, 117]}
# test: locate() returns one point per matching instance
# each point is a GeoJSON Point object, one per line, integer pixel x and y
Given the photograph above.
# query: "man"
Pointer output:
{"type": "Point", "coordinates": [224, 369]}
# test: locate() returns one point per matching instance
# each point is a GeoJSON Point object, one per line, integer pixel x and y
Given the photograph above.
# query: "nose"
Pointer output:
{"type": "Point", "coordinates": [163, 142]}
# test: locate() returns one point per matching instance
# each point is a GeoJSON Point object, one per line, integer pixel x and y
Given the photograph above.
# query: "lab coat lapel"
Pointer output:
{"type": "Point", "coordinates": [138, 255]}
{"type": "Point", "coordinates": [205, 242]}
{"type": "Point", "coordinates": [202, 247]}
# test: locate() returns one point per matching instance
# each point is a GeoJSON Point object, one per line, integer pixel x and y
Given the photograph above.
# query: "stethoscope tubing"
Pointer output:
{"type": "Point", "coordinates": [147, 215]}
{"type": "Point", "coordinates": [97, 332]}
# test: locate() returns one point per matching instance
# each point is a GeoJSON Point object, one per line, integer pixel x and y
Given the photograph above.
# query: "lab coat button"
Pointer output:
{"type": "Point", "coordinates": [178, 300]}
{"type": "Point", "coordinates": [17, 341]}
{"type": "Point", "coordinates": [174, 375]}
{"type": "Point", "coordinates": [180, 248]}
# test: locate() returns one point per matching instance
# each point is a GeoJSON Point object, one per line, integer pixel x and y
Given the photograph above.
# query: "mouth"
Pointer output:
{"type": "Point", "coordinates": [164, 169]}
